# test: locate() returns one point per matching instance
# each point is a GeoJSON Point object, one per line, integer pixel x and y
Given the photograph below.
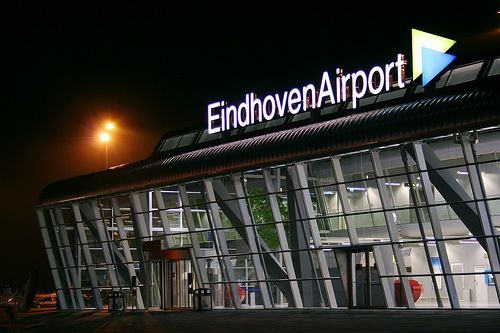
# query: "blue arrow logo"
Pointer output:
{"type": "Point", "coordinates": [433, 62]}
{"type": "Point", "coordinates": [429, 57]}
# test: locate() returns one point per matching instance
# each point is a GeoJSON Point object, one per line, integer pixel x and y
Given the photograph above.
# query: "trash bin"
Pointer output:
{"type": "Point", "coordinates": [116, 301]}
{"type": "Point", "coordinates": [202, 299]}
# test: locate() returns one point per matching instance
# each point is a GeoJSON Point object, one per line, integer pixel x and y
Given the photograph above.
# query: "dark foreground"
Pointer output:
{"type": "Point", "coordinates": [273, 321]}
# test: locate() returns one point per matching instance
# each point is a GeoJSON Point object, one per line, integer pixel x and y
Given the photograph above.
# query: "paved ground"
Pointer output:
{"type": "Point", "coordinates": [273, 321]}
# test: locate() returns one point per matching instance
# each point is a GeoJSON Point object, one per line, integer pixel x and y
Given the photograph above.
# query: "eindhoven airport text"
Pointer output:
{"type": "Point", "coordinates": [224, 117]}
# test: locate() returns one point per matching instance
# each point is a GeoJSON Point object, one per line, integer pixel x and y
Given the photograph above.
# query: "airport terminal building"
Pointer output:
{"type": "Point", "coordinates": [390, 203]}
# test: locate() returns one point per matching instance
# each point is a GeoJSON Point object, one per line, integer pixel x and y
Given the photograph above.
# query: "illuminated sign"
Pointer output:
{"type": "Point", "coordinates": [224, 117]}
{"type": "Point", "coordinates": [429, 59]}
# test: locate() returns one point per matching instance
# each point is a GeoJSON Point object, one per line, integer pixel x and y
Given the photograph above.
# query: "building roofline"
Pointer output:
{"type": "Point", "coordinates": [442, 111]}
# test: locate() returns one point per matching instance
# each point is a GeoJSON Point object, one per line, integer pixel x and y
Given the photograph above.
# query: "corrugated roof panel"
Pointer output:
{"type": "Point", "coordinates": [479, 106]}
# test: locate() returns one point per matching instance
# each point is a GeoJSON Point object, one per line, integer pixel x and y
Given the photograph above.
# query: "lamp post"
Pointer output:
{"type": "Point", "coordinates": [105, 137]}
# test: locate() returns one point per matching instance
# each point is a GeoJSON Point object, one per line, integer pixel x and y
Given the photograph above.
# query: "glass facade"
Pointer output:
{"type": "Point", "coordinates": [411, 225]}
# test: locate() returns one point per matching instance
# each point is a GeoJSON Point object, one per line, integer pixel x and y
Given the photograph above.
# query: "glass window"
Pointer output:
{"type": "Point", "coordinates": [254, 127]}
{"type": "Point", "coordinates": [276, 122]}
{"type": "Point", "coordinates": [468, 256]}
{"type": "Point", "coordinates": [464, 74]}
{"type": "Point", "coordinates": [367, 100]}
{"type": "Point", "coordinates": [170, 143]}
{"type": "Point", "coordinates": [67, 215]}
{"type": "Point", "coordinates": [487, 147]}
{"type": "Point", "coordinates": [356, 167]}
{"type": "Point", "coordinates": [187, 139]}
{"type": "Point", "coordinates": [495, 68]}
{"type": "Point", "coordinates": [330, 109]}
{"type": "Point", "coordinates": [301, 116]}
{"type": "Point", "coordinates": [205, 137]}
{"type": "Point", "coordinates": [391, 95]}
{"type": "Point", "coordinates": [442, 80]}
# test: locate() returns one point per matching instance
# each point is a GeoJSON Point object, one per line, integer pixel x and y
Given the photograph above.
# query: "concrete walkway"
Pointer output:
{"type": "Point", "coordinates": [270, 321]}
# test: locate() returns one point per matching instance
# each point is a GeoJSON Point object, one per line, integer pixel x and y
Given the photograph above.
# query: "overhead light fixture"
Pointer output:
{"type": "Point", "coordinates": [352, 189]}
{"type": "Point", "coordinates": [468, 241]}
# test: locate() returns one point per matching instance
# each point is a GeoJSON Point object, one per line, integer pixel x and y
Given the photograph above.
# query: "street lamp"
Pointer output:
{"type": "Point", "coordinates": [109, 126]}
{"type": "Point", "coordinates": [105, 137]}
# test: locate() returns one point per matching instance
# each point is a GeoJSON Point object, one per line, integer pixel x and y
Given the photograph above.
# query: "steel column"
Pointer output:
{"type": "Point", "coordinates": [436, 226]}
{"type": "Point", "coordinates": [299, 180]}
{"type": "Point", "coordinates": [280, 230]}
{"type": "Point", "coordinates": [391, 226]}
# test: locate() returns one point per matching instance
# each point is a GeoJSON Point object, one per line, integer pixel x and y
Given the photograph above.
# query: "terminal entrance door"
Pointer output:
{"type": "Point", "coordinates": [177, 286]}
{"type": "Point", "coordinates": [364, 288]}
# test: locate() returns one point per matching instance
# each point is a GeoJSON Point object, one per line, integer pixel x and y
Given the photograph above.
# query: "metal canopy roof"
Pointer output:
{"type": "Point", "coordinates": [442, 111]}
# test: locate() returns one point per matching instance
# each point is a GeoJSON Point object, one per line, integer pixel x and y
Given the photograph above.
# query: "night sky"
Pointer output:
{"type": "Point", "coordinates": [68, 68]}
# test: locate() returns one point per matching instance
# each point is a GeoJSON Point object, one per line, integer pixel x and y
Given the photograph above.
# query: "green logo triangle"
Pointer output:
{"type": "Point", "coordinates": [421, 39]}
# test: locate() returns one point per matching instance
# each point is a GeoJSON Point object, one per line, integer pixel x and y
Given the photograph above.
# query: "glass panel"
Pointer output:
{"type": "Point", "coordinates": [407, 223]}
{"type": "Point", "coordinates": [328, 201]}
{"type": "Point", "coordinates": [91, 240]}
{"type": "Point", "coordinates": [200, 218]}
{"type": "Point", "coordinates": [461, 176]}
{"type": "Point", "coordinates": [221, 294]}
{"type": "Point", "coordinates": [464, 74]}
{"type": "Point", "coordinates": [320, 173]}
{"type": "Point", "coordinates": [330, 109]}
{"type": "Point", "coordinates": [490, 173]}
{"type": "Point", "coordinates": [428, 296]}
{"type": "Point", "coordinates": [391, 95]}
{"type": "Point", "coordinates": [392, 163]}
{"type": "Point", "coordinates": [125, 211]}
{"type": "Point", "coordinates": [494, 209]}
{"type": "Point", "coordinates": [442, 80]}
{"type": "Point", "coordinates": [356, 167]}
{"type": "Point", "coordinates": [235, 243]}
{"type": "Point", "coordinates": [367, 100]}
{"type": "Point", "coordinates": [416, 259]}
{"type": "Point", "coordinates": [187, 139]}
{"type": "Point", "coordinates": [102, 276]}
{"type": "Point", "coordinates": [195, 195]}
{"type": "Point", "coordinates": [248, 288]}
{"type": "Point", "coordinates": [205, 137]}
{"type": "Point", "coordinates": [398, 191]}
{"type": "Point", "coordinates": [487, 149]}
{"type": "Point", "coordinates": [447, 151]}
{"type": "Point", "coordinates": [483, 295]}
{"type": "Point", "coordinates": [67, 215]}
{"type": "Point", "coordinates": [371, 227]}
{"type": "Point", "coordinates": [495, 68]}
{"type": "Point", "coordinates": [106, 211]}
{"type": "Point", "coordinates": [297, 236]}
{"type": "Point", "coordinates": [206, 239]}
{"type": "Point", "coordinates": [338, 232]}
{"type": "Point", "coordinates": [254, 127]}
{"type": "Point", "coordinates": [88, 299]}
{"type": "Point", "coordinates": [170, 143]}
{"type": "Point", "coordinates": [308, 273]}
{"type": "Point", "coordinates": [475, 286]}
{"type": "Point", "coordinates": [363, 196]}
{"type": "Point", "coordinates": [275, 122]}
{"type": "Point", "coordinates": [156, 220]}
{"type": "Point", "coordinates": [301, 116]}
{"type": "Point", "coordinates": [171, 198]}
